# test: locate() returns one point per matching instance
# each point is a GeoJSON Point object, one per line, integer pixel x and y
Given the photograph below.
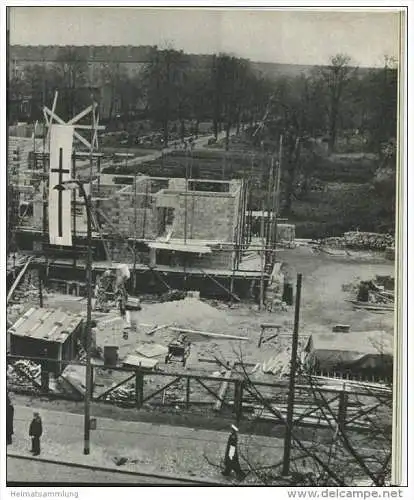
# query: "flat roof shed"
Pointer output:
{"type": "Point", "coordinates": [46, 333]}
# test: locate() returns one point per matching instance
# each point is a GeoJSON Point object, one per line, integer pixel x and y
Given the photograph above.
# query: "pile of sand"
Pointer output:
{"type": "Point", "coordinates": [189, 313]}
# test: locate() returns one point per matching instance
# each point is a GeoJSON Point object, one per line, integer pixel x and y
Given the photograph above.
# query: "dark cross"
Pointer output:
{"type": "Point", "coordinates": [60, 188]}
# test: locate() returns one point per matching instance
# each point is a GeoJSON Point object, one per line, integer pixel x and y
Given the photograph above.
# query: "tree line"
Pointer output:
{"type": "Point", "coordinates": [329, 101]}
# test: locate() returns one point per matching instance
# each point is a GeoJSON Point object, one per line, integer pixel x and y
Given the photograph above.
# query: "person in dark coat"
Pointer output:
{"type": "Point", "coordinates": [9, 420]}
{"type": "Point", "coordinates": [35, 431]}
{"type": "Point", "coordinates": [231, 457]}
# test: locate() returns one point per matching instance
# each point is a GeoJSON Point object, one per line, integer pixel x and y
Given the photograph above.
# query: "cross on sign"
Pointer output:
{"type": "Point", "coordinates": [60, 188]}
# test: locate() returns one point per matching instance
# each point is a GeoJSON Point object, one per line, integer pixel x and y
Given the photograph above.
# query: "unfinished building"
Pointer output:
{"type": "Point", "coordinates": [177, 232]}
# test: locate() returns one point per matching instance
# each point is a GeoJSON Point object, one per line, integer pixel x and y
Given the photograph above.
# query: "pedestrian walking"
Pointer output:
{"type": "Point", "coordinates": [35, 431]}
{"type": "Point", "coordinates": [231, 457]}
{"type": "Point", "coordinates": [9, 420]}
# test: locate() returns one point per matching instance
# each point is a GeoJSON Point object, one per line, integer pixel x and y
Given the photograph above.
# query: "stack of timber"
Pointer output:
{"type": "Point", "coordinates": [24, 374]}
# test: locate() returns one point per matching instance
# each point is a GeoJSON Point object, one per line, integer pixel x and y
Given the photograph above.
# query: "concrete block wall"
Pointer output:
{"type": "Point", "coordinates": [127, 219]}
{"type": "Point", "coordinates": [210, 216]}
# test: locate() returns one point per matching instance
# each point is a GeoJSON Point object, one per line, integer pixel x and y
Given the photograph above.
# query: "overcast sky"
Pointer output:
{"type": "Point", "coordinates": [301, 37]}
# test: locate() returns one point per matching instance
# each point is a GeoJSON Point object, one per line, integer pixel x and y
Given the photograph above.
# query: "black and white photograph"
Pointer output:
{"type": "Point", "coordinates": [204, 247]}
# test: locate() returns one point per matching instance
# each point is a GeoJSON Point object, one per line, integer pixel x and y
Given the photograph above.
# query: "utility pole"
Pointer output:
{"type": "Point", "coordinates": [292, 376]}
{"type": "Point", "coordinates": [77, 184]}
{"type": "Point", "coordinates": [88, 368]}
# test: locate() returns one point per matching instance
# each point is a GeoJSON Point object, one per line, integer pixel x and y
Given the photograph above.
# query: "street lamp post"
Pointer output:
{"type": "Point", "coordinates": [70, 185]}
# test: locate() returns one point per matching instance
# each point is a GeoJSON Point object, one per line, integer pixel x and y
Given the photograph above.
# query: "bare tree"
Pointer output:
{"type": "Point", "coordinates": [349, 444]}
{"type": "Point", "coordinates": [71, 77]}
{"type": "Point", "coordinates": [335, 77]}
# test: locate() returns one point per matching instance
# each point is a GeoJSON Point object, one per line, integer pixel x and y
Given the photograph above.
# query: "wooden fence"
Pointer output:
{"type": "Point", "coordinates": [353, 405]}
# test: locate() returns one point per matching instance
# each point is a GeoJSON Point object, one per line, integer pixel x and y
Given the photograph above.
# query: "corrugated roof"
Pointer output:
{"type": "Point", "coordinates": [52, 325]}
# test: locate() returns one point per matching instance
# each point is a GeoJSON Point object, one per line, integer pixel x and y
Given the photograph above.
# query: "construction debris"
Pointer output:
{"type": "Point", "coordinates": [24, 374]}
{"type": "Point", "coordinates": [360, 241]}
{"type": "Point", "coordinates": [376, 295]}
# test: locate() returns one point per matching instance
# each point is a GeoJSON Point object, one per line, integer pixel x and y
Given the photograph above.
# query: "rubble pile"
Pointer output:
{"type": "Point", "coordinates": [122, 394]}
{"type": "Point", "coordinates": [361, 241]}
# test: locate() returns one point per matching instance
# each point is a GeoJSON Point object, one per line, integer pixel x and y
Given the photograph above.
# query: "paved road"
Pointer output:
{"type": "Point", "coordinates": [31, 471]}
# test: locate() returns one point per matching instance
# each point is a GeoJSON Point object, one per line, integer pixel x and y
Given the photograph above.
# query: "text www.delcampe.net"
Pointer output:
{"type": "Point", "coordinates": [346, 493]}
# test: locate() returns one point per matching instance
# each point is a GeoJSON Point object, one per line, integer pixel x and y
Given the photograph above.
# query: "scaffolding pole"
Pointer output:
{"type": "Point", "coordinates": [262, 260]}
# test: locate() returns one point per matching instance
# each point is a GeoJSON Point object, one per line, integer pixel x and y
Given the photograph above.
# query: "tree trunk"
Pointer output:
{"type": "Point", "coordinates": [228, 127]}
{"type": "Point", "coordinates": [165, 132]}
{"type": "Point", "coordinates": [215, 128]}
{"type": "Point", "coordinates": [332, 135]}
{"type": "Point", "coordinates": [182, 130]}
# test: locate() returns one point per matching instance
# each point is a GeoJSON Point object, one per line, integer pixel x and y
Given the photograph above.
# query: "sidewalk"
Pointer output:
{"type": "Point", "coordinates": [149, 448]}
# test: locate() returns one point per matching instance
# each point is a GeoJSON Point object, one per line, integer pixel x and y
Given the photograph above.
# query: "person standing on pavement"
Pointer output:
{"type": "Point", "coordinates": [35, 431]}
{"type": "Point", "coordinates": [231, 457]}
{"type": "Point", "coordinates": [9, 420]}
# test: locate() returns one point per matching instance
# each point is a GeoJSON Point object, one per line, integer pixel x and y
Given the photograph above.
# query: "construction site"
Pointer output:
{"type": "Point", "coordinates": [172, 294]}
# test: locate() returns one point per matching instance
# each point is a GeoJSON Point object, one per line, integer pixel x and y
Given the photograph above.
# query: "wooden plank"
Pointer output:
{"type": "Point", "coordinates": [233, 295]}
{"type": "Point", "coordinates": [17, 280]}
{"type": "Point", "coordinates": [207, 334]}
{"type": "Point", "coordinates": [153, 330]}
{"type": "Point", "coordinates": [271, 325]}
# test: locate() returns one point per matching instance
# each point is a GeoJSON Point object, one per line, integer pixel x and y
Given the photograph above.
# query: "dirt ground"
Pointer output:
{"type": "Point", "coordinates": [323, 305]}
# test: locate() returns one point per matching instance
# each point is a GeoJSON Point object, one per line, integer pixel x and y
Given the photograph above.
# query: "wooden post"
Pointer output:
{"type": "Point", "coordinates": [342, 409]}
{"type": "Point", "coordinates": [269, 207]}
{"type": "Point", "coordinates": [185, 199]}
{"type": "Point", "coordinates": [91, 369]}
{"type": "Point", "coordinates": [261, 336]}
{"type": "Point", "coordinates": [40, 287]}
{"type": "Point", "coordinates": [187, 394]}
{"type": "Point", "coordinates": [74, 209]}
{"type": "Point", "coordinates": [238, 399]}
{"type": "Point", "coordinates": [139, 389]}
{"type": "Point", "coordinates": [134, 273]}
{"type": "Point", "coordinates": [44, 375]}
{"type": "Point", "coordinates": [262, 262]}
{"type": "Point", "coordinates": [292, 377]}
{"type": "Point", "coordinates": [144, 222]}
{"type": "Point", "coordinates": [277, 193]}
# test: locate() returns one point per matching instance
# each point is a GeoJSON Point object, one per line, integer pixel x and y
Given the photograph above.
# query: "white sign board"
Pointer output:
{"type": "Point", "coordinates": [60, 220]}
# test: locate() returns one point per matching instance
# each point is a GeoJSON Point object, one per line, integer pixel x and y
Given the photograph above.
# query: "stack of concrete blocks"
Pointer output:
{"type": "Point", "coordinates": [274, 290]}
{"type": "Point", "coordinates": [18, 168]}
